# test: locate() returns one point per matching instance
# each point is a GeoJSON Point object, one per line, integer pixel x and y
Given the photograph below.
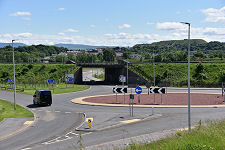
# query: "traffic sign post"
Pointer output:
{"type": "Point", "coordinates": [123, 79]}
{"type": "Point", "coordinates": [157, 90]}
{"type": "Point", "coordinates": [119, 90]}
{"type": "Point", "coordinates": [138, 90]}
{"type": "Point", "coordinates": [90, 120]}
{"type": "Point", "coordinates": [223, 92]}
{"type": "Point", "coordinates": [148, 85]}
{"type": "Point", "coordinates": [51, 81]}
{"type": "Point", "coordinates": [10, 80]}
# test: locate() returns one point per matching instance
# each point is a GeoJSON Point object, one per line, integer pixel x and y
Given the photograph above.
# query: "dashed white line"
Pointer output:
{"type": "Point", "coordinates": [57, 111]}
{"type": "Point", "coordinates": [68, 112]}
{"type": "Point", "coordinates": [40, 110]}
{"type": "Point", "coordinates": [48, 111]}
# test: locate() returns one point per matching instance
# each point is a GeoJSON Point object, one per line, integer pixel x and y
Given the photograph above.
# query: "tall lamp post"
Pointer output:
{"type": "Point", "coordinates": [14, 78]}
{"type": "Point", "coordinates": [189, 97]}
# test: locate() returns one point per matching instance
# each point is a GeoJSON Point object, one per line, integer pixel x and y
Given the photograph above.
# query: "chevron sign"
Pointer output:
{"type": "Point", "coordinates": [119, 90]}
{"type": "Point", "coordinates": [157, 90]}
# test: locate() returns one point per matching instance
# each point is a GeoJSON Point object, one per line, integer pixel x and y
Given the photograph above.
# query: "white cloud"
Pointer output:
{"type": "Point", "coordinates": [170, 26]}
{"type": "Point", "coordinates": [150, 23]}
{"type": "Point", "coordinates": [20, 13]}
{"type": "Point", "coordinates": [92, 26]}
{"type": "Point", "coordinates": [17, 35]}
{"type": "Point", "coordinates": [124, 26]}
{"type": "Point", "coordinates": [119, 39]}
{"type": "Point", "coordinates": [61, 33]}
{"type": "Point", "coordinates": [23, 35]}
{"type": "Point", "coordinates": [26, 18]}
{"type": "Point", "coordinates": [71, 30]}
{"type": "Point", "coordinates": [61, 9]}
{"type": "Point", "coordinates": [214, 15]}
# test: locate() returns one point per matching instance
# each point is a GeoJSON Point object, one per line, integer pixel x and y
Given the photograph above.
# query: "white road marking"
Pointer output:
{"type": "Point", "coordinates": [40, 110]}
{"type": "Point", "coordinates": [26, 148]}
{"type": "Point", "coordinates": [61, 138]}
{"type": "Point", "coordinates": [68, 112]}
{"type": "Point", "coordinates": [57, 111]}
{"type": "Point", "coordinates": [48, 111]}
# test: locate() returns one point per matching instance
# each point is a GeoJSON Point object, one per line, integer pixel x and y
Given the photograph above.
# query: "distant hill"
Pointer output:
{"type": "Point", "coordinates": [79, 46]}
{"type": "Point", "coordinates": [10, 44]}
{"type": "Point", "coordinates": [68, 46]}
{"type": "Point", "coordinates": [179, 42]}
{"type": "Point", "coordinates": [173, 45]}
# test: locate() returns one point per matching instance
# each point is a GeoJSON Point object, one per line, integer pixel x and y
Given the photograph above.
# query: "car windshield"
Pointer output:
{"type": "Point", "coordinates": [46, 93]}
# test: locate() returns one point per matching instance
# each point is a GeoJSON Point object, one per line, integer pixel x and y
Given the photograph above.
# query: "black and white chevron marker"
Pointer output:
{"type": "Point", "coordinates": [119, 90]}
{"type": "Point", "coordinates": [157, 90]}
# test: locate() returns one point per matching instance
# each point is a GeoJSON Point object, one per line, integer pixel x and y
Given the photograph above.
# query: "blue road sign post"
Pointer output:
{"type": "Point", "coordinates": [51, 81]}
{"type": "Point", "coordinates": [138, 90]}
{"type": "Point", "coordinates": [10, 80]}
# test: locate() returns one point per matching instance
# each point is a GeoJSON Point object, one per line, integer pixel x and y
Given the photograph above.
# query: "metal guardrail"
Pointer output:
{"type": "Point", "coordinates": [9, 88]}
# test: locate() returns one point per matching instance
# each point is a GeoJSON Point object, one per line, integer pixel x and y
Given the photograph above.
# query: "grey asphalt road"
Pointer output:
{"type": "Point", "coordinates": [55, 125]}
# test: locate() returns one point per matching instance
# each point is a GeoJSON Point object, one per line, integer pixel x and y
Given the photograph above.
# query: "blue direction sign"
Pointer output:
{"type": "Point", "coordinates": [71, 79]}
{"type": "Point", "coordinates": [138, 90]}
{"type": "Point", "coordinates": [51, 80]}
{"type": "Point", "coordinates": [10, 80]}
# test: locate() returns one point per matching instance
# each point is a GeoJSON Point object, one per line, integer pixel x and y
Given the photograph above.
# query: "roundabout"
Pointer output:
{"type": "Point", "coordinates": [145, 100]}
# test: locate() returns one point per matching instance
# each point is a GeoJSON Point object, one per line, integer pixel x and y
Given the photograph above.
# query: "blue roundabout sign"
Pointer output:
{"type": "Point", "coordinates": [138, 90]}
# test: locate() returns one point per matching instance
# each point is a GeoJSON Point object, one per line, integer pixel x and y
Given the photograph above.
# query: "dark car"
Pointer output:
{"type": "Point", "coordinates": [42, 97]}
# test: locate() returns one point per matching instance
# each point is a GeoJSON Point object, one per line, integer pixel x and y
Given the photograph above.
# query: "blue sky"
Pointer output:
{"type": "Point", "coordinates": [110, 22]}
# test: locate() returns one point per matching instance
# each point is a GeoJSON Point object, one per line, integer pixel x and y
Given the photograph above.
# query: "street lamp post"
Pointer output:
{"type": "Point", "coordinates": [14, 77]}
{"type": "Point", "coordinates": [189, 97]}
{"type": "Point", "coordinates": [154, 71]}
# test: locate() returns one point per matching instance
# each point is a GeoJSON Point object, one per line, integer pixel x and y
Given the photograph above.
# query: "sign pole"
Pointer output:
{"type": "Point", "coordinates": [132, 106]}
{"type": "Point", "coordinates": [161, 99]}
{"type": "Point", "coordinates": [116, 98]}
{"type": "Point", "coordinates": [222, 89]}
{"type": "Point", "coordinates": [123, 95]}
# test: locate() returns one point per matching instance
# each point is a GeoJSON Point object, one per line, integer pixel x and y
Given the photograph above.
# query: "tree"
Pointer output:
{"type": "Point", "coordinates": [127, 55]}
{"type": "Point", "coordinates": [71, 56]}
{"type": "Point", "coordinates": [100, 57]}
{"type": "Point", "coordinates": [109, 55]}
{"type": "Point", "coordinates": [200, 73]}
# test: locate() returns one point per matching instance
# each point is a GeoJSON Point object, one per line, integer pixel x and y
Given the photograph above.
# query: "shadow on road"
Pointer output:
{"type": "Point", "coordinates": [36, 106]}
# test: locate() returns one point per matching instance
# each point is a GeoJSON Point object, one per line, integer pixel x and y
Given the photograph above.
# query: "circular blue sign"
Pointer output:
{"type": "Point", "coordinates": [89, 120]}
{"type": "Point", "coordinates": [138, 90]}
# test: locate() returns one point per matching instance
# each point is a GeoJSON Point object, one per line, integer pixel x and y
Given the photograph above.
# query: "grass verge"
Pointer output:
{"type": "Point", "coordinates": [208, 137]}
{"type": "Point", "coordinates": [60, 88]}
{"type": "Point", "coordinates": [7, 111]}
{"type": "Point", "coordinates": [56, 88]}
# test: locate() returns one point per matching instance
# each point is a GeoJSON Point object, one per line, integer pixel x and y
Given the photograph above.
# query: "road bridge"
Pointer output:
{"type": "Point", "coordinates": [112, 74]}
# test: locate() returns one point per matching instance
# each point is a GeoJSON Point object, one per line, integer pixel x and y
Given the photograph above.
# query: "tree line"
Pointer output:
{"type": "Point", "coordinates": [36, 53]}
{"type": "Point", "coordinates": [176, 50]}
{"type": "Point", "coordinates": [164, 51]}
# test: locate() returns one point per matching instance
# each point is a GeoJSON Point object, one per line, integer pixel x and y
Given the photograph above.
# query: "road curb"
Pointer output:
{"type": "Point", "coordinates": [82, 102]}
{"type": "Point", "coordinates": [151, 117]}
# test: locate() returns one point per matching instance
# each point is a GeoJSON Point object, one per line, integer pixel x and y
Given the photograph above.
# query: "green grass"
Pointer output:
{"type": "Point", "coordinates": [7, 111]}
{"type": "Point", "coordinates": [178, 72]}
{"type": "Point", "coordinates": [35, 73]}
{"type": "Point", "coordinates": [209, 137]}
{"type": "Point", "coordinates": [60, 88]}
